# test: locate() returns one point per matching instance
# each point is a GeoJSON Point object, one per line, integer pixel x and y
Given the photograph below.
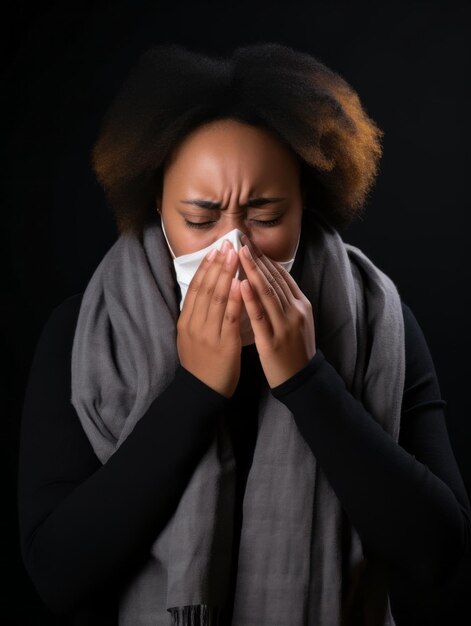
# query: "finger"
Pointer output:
{"type": "Point", "coordinates": [206, 288]}
{"type": "Point", "coordinates": [195, 283]}
{"type": "Point", "coordinates": [272, 268]}
{"type": "Point", "coordinates": [260, 323]}
{"type": "Point", "coordinates": [263, 288]}
{"type": "Point", "coordinates": [272, 273]}
{"type": "Point", "coordinates": [292, 284]}
{"type": "Point", "coordinates": [220, 296]}
{"type": "Point", "coordinates": [231, 321]}
{"type": "Point", "coordinates": [289, 285]}
{"type": "Point", "coordinates": [294, 289]}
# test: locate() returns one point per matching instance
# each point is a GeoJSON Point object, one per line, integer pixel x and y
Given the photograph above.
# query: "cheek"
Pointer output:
{"type": "Point", "coordinates": [277, 243]}
{"type": "Point", "coordinates": [175, 235]}
{"type": "Point", "coordinates": [187, 243]}
{"type": "Point", "coordinates": [183, 240]}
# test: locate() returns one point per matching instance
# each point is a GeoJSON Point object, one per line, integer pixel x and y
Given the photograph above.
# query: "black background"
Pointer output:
{"type": "Point", "coordinates": [62, 63]}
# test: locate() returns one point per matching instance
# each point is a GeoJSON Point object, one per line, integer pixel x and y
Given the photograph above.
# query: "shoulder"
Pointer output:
{"type": "Point", "coordinates": [410, 321]}
{"type": "Point", "coordinates": [417, 348]}
{"type": "Point", "coordinates": [50, 362]}
{"type": "Point", "coordinates": [66, 312]}
{"type": "Point", "coordinates": [58, 330]}
{"type": "Point", "coordinates": [421, 383]}
{"type": "Point", "coordinates": [68, 306]}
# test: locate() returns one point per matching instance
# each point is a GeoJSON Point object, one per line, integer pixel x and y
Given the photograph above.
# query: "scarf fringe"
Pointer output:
{"type": "Point", "coordinates": [194, 615]}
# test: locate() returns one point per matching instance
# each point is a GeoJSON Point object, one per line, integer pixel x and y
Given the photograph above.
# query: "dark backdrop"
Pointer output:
{"type": "Point", "coordinates": [62, 63]}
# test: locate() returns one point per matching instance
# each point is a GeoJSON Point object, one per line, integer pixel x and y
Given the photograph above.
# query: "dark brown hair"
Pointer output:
{"type": "Point", "coordinates": [171, 90]}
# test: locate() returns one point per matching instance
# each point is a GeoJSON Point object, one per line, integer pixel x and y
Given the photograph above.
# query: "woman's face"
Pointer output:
{"type": "Point", "coordinates": [225, 175]}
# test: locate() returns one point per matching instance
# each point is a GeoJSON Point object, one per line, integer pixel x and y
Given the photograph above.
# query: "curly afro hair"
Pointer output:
{"type": "Point", "coordinates": [171, 90]}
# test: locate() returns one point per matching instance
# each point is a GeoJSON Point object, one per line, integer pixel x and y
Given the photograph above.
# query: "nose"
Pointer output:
{"type": "Point", "coordinates": [232, 221]}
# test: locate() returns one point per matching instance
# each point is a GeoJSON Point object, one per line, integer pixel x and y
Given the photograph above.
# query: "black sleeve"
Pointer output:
{"type": "Point", "coordinates": [84, 526]}
{"type": "Point", "coordinates": [406, 500]}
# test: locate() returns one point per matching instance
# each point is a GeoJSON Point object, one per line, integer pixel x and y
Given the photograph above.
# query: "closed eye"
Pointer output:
{"type": "Point", "coordinates": [262, 223]}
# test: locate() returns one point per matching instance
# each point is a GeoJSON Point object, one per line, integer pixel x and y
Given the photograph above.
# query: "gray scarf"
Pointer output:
{"type": "Point", "coordinates": [300, 560]}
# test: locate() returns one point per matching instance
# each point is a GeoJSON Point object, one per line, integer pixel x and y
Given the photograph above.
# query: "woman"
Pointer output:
{"type": "Point", "coordinates": [232, 438]}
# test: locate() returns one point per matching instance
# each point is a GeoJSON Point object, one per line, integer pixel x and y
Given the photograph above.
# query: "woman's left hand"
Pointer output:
{"type": "Point", "coordinates": [280, 314]}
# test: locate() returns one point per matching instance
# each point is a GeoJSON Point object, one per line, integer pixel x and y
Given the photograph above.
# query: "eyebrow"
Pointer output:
{"type": "Point", "coordinates": [215, 206]}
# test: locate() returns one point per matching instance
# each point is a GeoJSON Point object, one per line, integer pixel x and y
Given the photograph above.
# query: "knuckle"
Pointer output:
{"type": "Point", "coordinates": [219, 256]}
{"type": "Point", "coordinates": [230, 317]}
{"type": "Point", "coordinates": [297, 315]}
{"type": "Point", "coordinates": [220, 298]}
{"type": "Point", "coordinates": [189, 329]}
{"type": "Point", "coordinates": [194, 286]}
{"type": "Point", "coordinates": [268, 291]}
{"type": "Point", "coordinates": [201, 337]}
{"type": "Point", "coordinates": [272, 279]}
{"type": "Point", "coordinates": [259, 315]}
{"type": "Point", "coordinates": [227, 269]}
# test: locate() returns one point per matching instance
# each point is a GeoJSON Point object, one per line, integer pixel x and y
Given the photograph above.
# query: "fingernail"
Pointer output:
{"type": "Point", "coordinates": [246, 251]}
{"type": "Point", "coordinates": [225, 245]}
{"type": "Point", "coordinates": [229, 257]}
{"type": "Point", "coordinates": [210, 256]}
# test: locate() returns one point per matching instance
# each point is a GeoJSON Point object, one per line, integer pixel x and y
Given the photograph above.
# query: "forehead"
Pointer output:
{"type": "Point", "coordinates": [232, 148]}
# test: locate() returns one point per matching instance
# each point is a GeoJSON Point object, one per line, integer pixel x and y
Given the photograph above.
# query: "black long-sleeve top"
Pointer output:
{"type": "Point", "coordinates": [85, 527]}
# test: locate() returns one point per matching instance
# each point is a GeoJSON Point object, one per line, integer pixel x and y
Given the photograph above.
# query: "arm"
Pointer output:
{"type": "Point", "coordinates": [84, 525]}
{"type": "Point", "coordinates": [407, 501]}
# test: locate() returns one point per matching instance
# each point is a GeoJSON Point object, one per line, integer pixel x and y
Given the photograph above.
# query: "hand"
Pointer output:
{"type": "Point", "coordinates": [208, 328]}
{"type": "Point", "coordinates": [280, 314]}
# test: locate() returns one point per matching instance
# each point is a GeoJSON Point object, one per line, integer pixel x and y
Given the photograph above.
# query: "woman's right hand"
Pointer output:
{"type": "Point", "coordinates": [208, 329]}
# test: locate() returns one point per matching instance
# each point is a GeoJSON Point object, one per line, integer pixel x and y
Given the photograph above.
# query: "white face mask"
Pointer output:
{"type": "Point", "coordinates": [187, 264]}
